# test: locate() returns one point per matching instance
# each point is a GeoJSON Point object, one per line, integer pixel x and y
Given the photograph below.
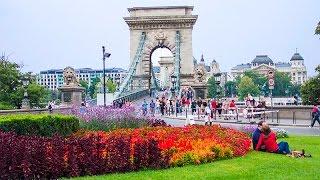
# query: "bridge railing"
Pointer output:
{"type": "Point", "coordinates": [135, 95]}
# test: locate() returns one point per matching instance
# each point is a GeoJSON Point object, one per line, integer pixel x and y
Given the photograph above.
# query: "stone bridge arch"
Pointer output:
{"type": "Point", "coordinates": [161, 24]}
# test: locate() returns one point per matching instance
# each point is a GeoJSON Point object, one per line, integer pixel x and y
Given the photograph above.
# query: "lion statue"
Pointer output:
{"type": "Point", "coordinates": [200, 74]}
{"type": "Point", "coordinates": [69, 76]}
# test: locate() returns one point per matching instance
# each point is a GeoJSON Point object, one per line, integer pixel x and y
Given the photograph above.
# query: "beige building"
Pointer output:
{"type": "Point", "coordinates": [262, 64]}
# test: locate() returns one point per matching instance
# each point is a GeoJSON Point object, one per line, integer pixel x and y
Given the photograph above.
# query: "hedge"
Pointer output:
{"type": "Point", "coordinates": [39, 124]}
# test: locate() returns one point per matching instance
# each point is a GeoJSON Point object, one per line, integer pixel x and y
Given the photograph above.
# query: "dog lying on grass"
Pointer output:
{"type": "Point", "coordinates": [299, 154]}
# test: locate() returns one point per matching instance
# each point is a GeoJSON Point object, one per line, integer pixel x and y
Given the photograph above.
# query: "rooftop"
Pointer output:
{"type": "Point", "coordinates": [262, 59]}
{"type": "Point", "coordinates": [296, 57]}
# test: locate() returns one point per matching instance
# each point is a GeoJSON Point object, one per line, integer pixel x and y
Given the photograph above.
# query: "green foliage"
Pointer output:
{"type": "Point", "coordinates": [111, 86]}
{"type": "Point", "coordinates": [39, 124]}
{"type": "Point", "coordinates": [282, 83]}
{"type": "Point", "coordinates": [231, 88]}
{"type": "Point", "coordinates": [212, 88]}
{"type": "Point", "coordinates": [317, 31]}
{"type": "Point", "coordinates": [37, 95]}
{"type": "Point", "coordinates": [5, 106]}
{"type": "Point", "coordinates": [11, 91]}
{"type": "Point", "coordinates": [246, 86]}
{"type": "Point", "coordinates": [93, 87]}
{"type": "Point", "coordinates": [310, 90]}
{"type": "Point", "coordinates": [84, 84]}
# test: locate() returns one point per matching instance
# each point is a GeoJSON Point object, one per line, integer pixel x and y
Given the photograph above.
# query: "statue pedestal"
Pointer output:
{"type": "Point", "coordinates": [201, 90]}
{"type": "Point", "coordinates": [71, 95]}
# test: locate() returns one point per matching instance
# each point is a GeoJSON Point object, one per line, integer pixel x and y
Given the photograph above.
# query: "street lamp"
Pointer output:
{"type": "Point", "coordinates": [217, 78]}
{"type": "Point", "coordinates": [104, 56]}
{"type": "Point", "coordinates": [118, 82]}
{"type": "Point", "coordinates": [173, 81]}
{"type": "Point", "coordinates": [25, 102]}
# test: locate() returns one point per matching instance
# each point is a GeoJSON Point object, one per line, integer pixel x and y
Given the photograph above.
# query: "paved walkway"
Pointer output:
{"type": "Point", "coordinates": [296, 130]}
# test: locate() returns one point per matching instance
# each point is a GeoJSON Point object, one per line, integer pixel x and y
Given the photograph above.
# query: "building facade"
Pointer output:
{"type": "Point", "coordinates": [53, 78]}
{"type": "Point", "coordinates": [263, 64]}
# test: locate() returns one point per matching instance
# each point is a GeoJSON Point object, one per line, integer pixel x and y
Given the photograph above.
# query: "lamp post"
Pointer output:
{"type": "Point", "coordinates": [118, 82]}
{"type": "Point", "coordinates": [217, 78]}
{"type": "Point", "coordinates": [173, 81]}
{"type": "Point", "coordinates": [104, 56]}
{"type": "Point", "coordinates": [25, 102]}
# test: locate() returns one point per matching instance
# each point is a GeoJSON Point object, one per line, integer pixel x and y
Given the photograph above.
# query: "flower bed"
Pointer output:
{"type": "Point", "coordinates": [109, 118]}
{"type": "Point", "coordinates": [98, 152]}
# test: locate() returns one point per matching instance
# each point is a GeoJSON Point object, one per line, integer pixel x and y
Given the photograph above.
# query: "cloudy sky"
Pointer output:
{"type": "Point", "coordinates": [47, 34]}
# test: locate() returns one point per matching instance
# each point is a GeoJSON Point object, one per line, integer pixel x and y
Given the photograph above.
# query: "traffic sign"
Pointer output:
{"type": "Point", "coordinates": [271, 82]}
{"type": "Point", "coordinates": [270, 74]}
{"type": "Point", "coordinates": [271, 87]}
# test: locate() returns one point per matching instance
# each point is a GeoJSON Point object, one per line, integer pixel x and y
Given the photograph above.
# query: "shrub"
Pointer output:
{"type": "Point", "coordinates": [5, 106]}
{"type": "Point", "coordinates": [91, 153]}
{"type": "Point", "coordinates": [39, 124]}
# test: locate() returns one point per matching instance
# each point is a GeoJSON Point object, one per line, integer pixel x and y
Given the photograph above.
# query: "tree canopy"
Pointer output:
{"type": "Point", "coordinates": [11, 91]}
{"type": "Point", "coordinates": [212, 88]}
{"type": "Point", "coordinates": [310, 90]}
{"type": "Point", "coordinates": [247, 86]}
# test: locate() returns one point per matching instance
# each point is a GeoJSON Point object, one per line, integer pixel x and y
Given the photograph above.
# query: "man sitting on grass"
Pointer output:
{"type": "Point", "coordinates": [256, 134]}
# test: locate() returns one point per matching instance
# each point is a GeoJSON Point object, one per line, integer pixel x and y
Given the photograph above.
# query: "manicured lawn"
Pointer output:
{"type": "Point", "coordinates": [257, 165]}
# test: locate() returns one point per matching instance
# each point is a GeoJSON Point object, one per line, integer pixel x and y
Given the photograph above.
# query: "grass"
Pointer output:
{"type": "Point", "coordinates": [256, 165]}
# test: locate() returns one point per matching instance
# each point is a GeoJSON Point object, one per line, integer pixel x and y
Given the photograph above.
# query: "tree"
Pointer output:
{"type": "Point", "coordinates": [283, 84]}
{"type": "Point", "coordinates": [310, 90]}
{"type": "Point", "coordinates": [85, 85]}
{"type": "Point", "coordinates": [317, 31]}
{"type": "Point", "coordinates": [38, 95]}
{"type": "Point", "coordinates": [247, 86]}
{"type": "Point", "coordinates": [230, 88]}
{"type": "Point", "coordinates": [12, 91]}
{"type": "Point", "coordinates": [93, 87]}
{"type": "Point", "coordinates": [111, 86]}
{"type": "Point", "coordinates": [212, 88]}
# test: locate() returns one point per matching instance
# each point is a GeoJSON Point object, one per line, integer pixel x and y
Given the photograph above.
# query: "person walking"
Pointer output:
{"type": "Point", "coordinates": [315, 115]}
{"type": "Point", "coordinates": [144, 107]}
{"type": "Point", "coordinates": [152, 107]}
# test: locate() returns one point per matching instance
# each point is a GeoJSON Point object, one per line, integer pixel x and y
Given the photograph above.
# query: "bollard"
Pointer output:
{"type": "Point", "coordinates": [198, 114]}
{"type": "Point", "coordinates": [215, 114]}
{"type": "Point", "coordinates": [186, 112]}
{"type": "Point", "coordinates": [293, 116]}
{"type": "Point", "coordinates": [278, 117]}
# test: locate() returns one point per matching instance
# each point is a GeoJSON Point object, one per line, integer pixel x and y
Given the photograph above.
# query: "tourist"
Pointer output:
{"type": "Point", "coordinates": [152, 107]}
{"type": "Point", "coordinates": [144, 107]}
{"type": "Point", "coordinates": [219, 108]}
{"type": "Point", "coordinates": [315, 115]}
{"type": "Point", "coordinates": [213, 106]}
{"type": "Point", "coordinates": [269, 139]}
{"type": "Point", "coordinates": [193, 106]}
{"type": "Point", "coordinates": [256, 134]}
{"type": "Point", "coordinates": [232, 107]}
{"type": "Point", "coordinates": [50, 107]}
{"type": "Point", "coordinates": [208, 115]}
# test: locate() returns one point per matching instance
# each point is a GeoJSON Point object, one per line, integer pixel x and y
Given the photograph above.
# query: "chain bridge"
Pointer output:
{"type": "Point", "coordinates": [152, 28]}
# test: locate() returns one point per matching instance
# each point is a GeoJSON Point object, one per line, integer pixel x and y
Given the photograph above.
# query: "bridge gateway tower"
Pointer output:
{"type": "Point", "coordinates": [159, 27]}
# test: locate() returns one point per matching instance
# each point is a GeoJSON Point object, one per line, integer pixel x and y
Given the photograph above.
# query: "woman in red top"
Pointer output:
{"type": "Point", "coordinates": [269, 140]}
